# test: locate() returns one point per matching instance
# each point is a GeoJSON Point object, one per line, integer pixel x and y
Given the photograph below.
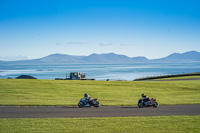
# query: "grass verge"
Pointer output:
{"type": "Point", "coordinates": [156, 124]}
{"type": "Point", "coordinates": [66, 92]}
{"type": "Point", "coordinates": [168, 76]}
{"type": "Point", "coordinates": [183, 77]}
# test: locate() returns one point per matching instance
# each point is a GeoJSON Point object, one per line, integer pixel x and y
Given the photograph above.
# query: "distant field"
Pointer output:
{"type": "Point", "coordinates": [173, 76]}
{"type": "Point", "coordinates": [164, 124]}
{"type": "Point", "coordinates": [183, 77]}
{"type": "Point", "coordinates": [68, 93]}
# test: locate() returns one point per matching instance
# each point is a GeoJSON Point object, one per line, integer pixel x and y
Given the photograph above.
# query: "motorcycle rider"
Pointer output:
{"type": "Point", "coordinates": [88, 98]}
{"type": "Point", "coordinates": [146, 99]}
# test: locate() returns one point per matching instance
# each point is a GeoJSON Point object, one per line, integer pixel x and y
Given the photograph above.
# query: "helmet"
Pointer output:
{"type": "Point", "coordinates": [143, 95]}
{"type": "Point", "coordinates": [85, 95]}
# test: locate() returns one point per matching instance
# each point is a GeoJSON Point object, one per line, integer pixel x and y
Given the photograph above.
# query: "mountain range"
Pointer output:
{"type": "Point", "coordinates": [191, 56]}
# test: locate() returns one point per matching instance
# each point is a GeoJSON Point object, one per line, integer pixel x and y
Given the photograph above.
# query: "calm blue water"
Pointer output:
{"type": "Point", "coordinates": [98, 71]}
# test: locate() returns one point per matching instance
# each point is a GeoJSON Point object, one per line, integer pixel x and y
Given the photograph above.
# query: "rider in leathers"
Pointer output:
{"type": "Point", "coordinates": [88, 98]}
{"type": "Point", "coordinates": [146, 99]}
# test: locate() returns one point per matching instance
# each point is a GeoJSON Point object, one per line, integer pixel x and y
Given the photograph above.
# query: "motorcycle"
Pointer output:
{"type": "Point", "coordinates": [142, 103]}
{"type": "Point", "coordinates": [86, 103]}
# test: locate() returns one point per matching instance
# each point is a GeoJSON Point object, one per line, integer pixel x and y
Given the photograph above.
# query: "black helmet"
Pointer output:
{"type": "Point", "coordinates": [85, 95]}
{"type": "Point", "coordinates": [143, 95]}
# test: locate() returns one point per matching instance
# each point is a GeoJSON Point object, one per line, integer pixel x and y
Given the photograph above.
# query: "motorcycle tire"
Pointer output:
{"type": "Point", "coordinates": [155, 105]}
{"type": "Point", "coordinates": [140, 105]}
{"type": "Point", "coordinates": [81, 104]}
{"type": "Point", "coordinates": [96, 104]}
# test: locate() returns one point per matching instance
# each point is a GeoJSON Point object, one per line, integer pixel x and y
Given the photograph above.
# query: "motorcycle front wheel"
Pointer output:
{"type": "Point", "coordinates": [155, 105]}
{"type": "Point", "coordinates": [81, 104]}
{"type": "Point", "coordinates": [140, 105]}
{"type": "Point", "coordinates": [96, 104]}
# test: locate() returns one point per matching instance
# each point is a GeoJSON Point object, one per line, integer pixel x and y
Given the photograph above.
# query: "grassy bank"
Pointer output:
{"type": "Point", "coordinates": [66, 92]}
{"type": "Point", "coordinates": [164, 124]}
{"type": "Point", "coordinates": [185, 75]}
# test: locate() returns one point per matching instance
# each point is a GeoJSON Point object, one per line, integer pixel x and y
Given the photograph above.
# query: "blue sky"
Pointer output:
{"type": "Point", "coordinates": [150, 28]}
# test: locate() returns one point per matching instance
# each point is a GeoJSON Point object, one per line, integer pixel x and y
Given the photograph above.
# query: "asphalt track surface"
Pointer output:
{"type": "Point", "coordinates": [102, 111]}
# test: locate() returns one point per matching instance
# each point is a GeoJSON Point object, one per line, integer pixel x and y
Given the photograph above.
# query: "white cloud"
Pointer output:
{"type": "Point", "coordinates": [70, 43]}
{"type": "Point", "coordinates": [14, 58]}
{"type": "Point", "coordinates": [119, 44]}
{"type": "Point", "coordinates": [58, 44]}
{"type": "Point", "coordinates": [106, 44]}
{"type": "Point", "coordinates": [76, 43]}
{"type": "Point", "coordinates": [127, 44]}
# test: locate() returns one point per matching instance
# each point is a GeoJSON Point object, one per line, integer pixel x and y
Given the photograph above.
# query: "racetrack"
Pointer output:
{"type": "Point", "coordinates": [102, 111]}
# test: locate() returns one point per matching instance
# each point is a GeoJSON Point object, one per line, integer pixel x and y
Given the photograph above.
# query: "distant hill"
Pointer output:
{"type": "Point", "coordinates": [61, 58]}
{"type": "Point", "coordinates": [191, 56]}
{"type": "Point", "coordinates": [106, 58]}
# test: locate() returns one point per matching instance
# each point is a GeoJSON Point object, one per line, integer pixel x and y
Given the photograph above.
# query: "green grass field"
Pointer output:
{"type": "Point", "coordinates": [157, 124]}
{"type": "Point", "coordinates": [68, 93]}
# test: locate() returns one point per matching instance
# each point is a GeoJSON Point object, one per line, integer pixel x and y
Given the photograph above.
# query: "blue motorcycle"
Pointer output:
{"type": "Point", "coordinates": [86, 103]}
{"type": "Point", "coordinates": [147, 103]}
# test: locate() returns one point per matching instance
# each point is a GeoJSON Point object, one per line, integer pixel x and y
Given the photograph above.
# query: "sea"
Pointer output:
{"type": "Point", "coordinates": [103, 72]}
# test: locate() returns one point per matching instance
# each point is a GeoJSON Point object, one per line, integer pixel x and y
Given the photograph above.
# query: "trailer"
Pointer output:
{"type": "Point", "coordinates": [75, 76]}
